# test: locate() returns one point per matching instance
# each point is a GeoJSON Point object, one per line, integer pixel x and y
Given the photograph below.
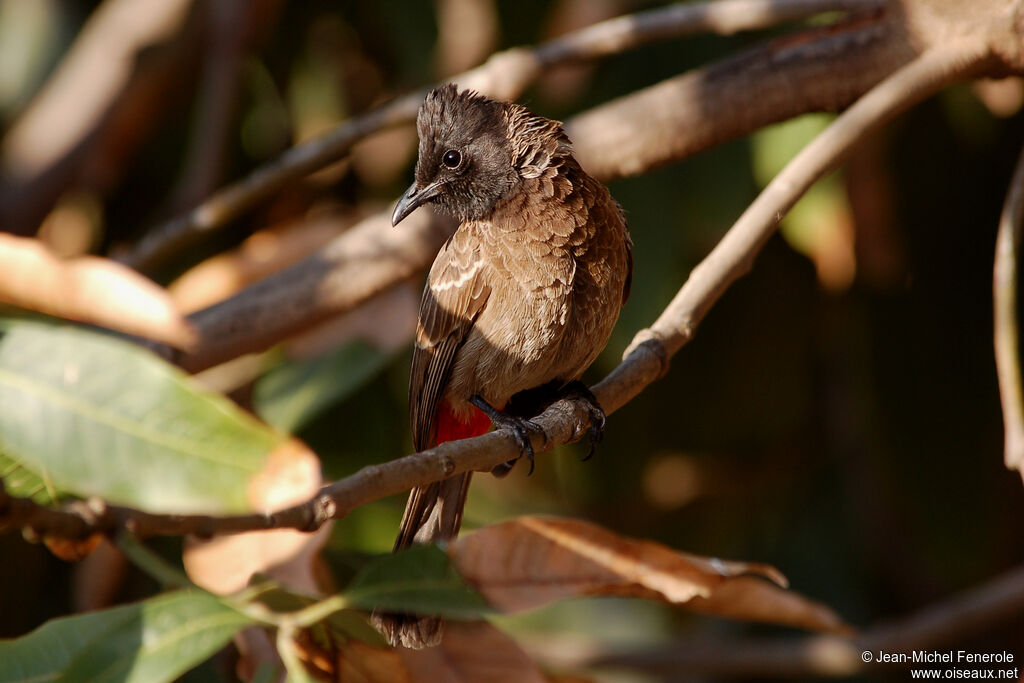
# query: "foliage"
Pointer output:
{"type": "Point", "coordinates": [837, 417]}
{"type": "Point", "coordinates": [98, 416]}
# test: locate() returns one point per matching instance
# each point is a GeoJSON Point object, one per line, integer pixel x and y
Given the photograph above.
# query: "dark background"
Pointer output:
{"type": "Point", "coordinates": [844, 428]}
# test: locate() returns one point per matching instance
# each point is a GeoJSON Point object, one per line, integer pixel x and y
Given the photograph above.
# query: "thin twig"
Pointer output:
{"type": "Point", "coordinates": [682, 116]}
{"type": "Point", "coordinates": [946, 624]}
{"type": "Point", "coordinates": [505, 76]}
{"type": "Point", "coordinates": [644, 361]}
{"type": "Point", "coordinates": [171, 237]}
{"type": "Point", "coordinates": [1006, 334]}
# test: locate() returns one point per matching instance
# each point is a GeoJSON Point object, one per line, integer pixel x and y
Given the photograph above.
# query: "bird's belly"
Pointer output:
{"type": "Point", "coordinates": [527, 342]}
{"type": "Point", "coordinates": [511, 347]}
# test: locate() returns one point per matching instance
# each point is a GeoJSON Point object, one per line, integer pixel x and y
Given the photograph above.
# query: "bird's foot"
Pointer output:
{"type": "Point", "coordinates": [520, 427]}
{"type": "Point", "coordinates": [580, 391]}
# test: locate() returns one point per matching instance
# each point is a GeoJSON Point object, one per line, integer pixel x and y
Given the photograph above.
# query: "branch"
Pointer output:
{"type": "Point", "coordinates": [1006, 335]}
{"type": "Point", "coordinates": [954, 620]}
{"type": "Point", "coordinates": [710, 105]}
{"type": "Point", "coordinates": [733, 256]}
{"type": "Point", "coordinates": [644, 361]}
{"type": "Point", "coordinates": [721, 17]}
{"type": "Point", "coordinates": [818, 69]}
{"type": "Point", "coordinates": [97, 107]}
{"type": "Point", "coordinates": [505, 76]}
{"type": "Point", "coordinates": [362, 262]}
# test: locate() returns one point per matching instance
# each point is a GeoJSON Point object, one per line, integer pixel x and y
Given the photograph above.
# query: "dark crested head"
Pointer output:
{"type": "Point", "coordinates": [471, 154]}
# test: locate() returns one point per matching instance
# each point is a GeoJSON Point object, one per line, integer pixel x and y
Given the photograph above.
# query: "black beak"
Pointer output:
{"type": "Point", "coordinates": [413, 198]}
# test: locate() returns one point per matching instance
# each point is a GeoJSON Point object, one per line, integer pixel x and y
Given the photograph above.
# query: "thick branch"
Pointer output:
{"type": "Point", "coordinates": [820, 69]}
{"type": "Point", "coordinates": [362, 262]}
{"type": "Point", "coordinates": [722, 17]}
{"type": "Point", "coordinates": [945, 624]}
{"type": "Point", "coordinates": [714, 104]}
{"type": "Point", "coordinates": [505, 75]}
{"type": "Point", "coordinates": [645, 360]}
{"type": "Point", "coordinates": [1007, 336]}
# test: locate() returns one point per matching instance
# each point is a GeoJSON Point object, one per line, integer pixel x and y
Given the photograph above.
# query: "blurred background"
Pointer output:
{"type": "Point", "coordinates": [837, 415]}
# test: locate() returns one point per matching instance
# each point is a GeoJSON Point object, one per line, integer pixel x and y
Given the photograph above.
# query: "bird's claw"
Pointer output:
{"type": "Point", "coordinates": [580, 391]}
{"type": "Point", "coordinates": [520, 428]}
{"type": "Point", "coordinates": [596, 431]}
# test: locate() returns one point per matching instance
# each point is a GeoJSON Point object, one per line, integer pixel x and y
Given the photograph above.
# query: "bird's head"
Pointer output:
{"type": "Point", "coordinates": [473, 151]}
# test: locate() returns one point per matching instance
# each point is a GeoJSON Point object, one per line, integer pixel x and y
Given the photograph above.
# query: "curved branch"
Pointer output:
{"type": "Point", "coordinates": [705, 107]}
{"type": "Point", "coordinates": [1006, 334]}
{"type": "Point", "coordinates": [644, 361]}
{"type": "Point", "coordinates": [733, 256]}
{"type": "Point", "coordinates": [505, 75]}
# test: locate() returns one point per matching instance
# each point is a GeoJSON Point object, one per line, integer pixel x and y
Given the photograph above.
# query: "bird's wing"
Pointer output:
{"type": "Point", "coordinates": [629, 255]}
{"type": "Point", "coordinates": [457, 290]}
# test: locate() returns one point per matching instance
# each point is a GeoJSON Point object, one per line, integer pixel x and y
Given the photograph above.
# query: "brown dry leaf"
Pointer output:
{"type": "Point", "coordinates": [290, 476]}
{"type": "Point", "coordinates": [362, 663]}
{"type": "Point", "coordinates": [472, 652]}
{"type": "Point", "coordinates": [70, 550]}
{"type": "Point", "coordinates": [751, 599]}
{"type": "Point", "coordinates": [226, 564]}
{"type": "Point", "coordinates": [88, 289]}
{"type": "Point", "coordinates": [531, 561]}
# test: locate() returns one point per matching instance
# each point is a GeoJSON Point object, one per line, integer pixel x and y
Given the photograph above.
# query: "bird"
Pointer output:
{"type": "Point", "coordinates": [519, 301]}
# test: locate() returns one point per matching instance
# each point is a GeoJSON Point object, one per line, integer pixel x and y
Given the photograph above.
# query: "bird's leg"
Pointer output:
{"type": "Point", "coordinates": [579, 390]}
{"type": "Point", "coordinates": [519, 426]}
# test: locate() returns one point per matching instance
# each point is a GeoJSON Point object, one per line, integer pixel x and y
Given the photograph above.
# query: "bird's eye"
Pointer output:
{"type": "Point", "coordinates": [451, 158]}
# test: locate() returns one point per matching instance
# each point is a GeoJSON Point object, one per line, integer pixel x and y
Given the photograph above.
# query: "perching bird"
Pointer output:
{"type": "Point", "coordinates": [519, 301]}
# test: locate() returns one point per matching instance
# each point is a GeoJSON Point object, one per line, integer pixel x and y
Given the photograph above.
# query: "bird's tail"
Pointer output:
{"type": "Point", "coordinates": [432, 514]}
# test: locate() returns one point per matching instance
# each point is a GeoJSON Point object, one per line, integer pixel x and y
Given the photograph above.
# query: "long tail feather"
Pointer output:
{"type": "Point", "coordinates": [433, 514]}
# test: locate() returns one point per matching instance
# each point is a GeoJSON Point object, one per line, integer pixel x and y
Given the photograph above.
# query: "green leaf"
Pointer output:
{"type": "Point", "coordinates": [151, 641]}
{"type": "Point", "coordinates": [104, 417]}
{"type": "Point", "coordinates": [292, 394]}
{"type": "Point", "coordinates": [421, 579]}
{"type": "Point", "coordinates": [45, 653]}
{"type": "Point", "coordinates": [24, 483]}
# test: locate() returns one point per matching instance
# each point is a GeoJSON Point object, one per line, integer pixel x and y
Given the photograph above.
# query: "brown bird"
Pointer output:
{"type": "Point", "coordinates": [518, 303]}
